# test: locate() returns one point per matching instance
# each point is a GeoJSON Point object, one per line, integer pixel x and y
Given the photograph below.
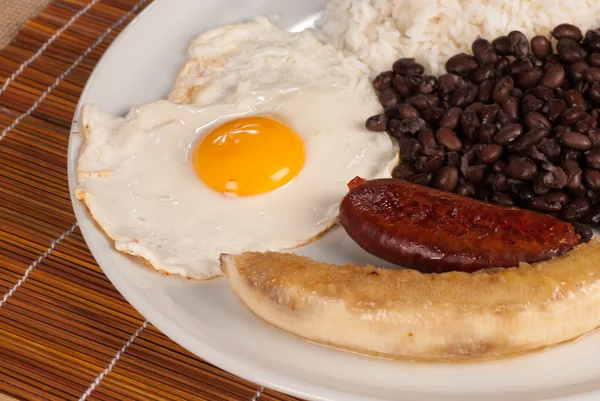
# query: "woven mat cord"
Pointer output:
{"type": "Point", "coordinates": [65, 332]}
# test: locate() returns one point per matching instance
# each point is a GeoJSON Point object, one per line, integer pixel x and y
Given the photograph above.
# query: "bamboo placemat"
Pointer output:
{"type": "Point", "coordinates": [65, 332]}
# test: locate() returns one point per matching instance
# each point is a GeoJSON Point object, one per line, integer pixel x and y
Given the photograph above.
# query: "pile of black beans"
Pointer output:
{"type": "Point", "coordinates": [516, 123]}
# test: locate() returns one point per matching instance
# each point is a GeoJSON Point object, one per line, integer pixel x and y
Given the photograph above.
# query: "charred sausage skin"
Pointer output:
{"type": "Point", "coordinates": [434, 231]}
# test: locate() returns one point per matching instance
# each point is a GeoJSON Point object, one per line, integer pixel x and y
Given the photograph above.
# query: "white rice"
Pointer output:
{"type": "Point", "coordinates": [379, 32]}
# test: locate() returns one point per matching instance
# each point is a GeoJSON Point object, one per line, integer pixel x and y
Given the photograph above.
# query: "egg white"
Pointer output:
{"type": "Point", "coordinates": [137, 178]}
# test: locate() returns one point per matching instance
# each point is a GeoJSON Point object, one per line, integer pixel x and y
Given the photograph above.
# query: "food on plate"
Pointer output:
{"type": "Point", "coordinates": [230, 61]}
{"type": "Point", "coordinates": [516, 123]}
{"type": "Point", "coordinates": [434, 231]}
{"type": "Point", "coordinates": [253, 149]}
{"type": "Point", "coordinates": [381, 31]}
{"type": "Point", "coordinates": [404, 313]}
{"type": "Point", "coordinates": [178, 184]}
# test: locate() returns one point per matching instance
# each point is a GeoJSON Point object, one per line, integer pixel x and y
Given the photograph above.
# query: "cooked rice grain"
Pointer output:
{"type": "Point", "coordinates": [381, 31]}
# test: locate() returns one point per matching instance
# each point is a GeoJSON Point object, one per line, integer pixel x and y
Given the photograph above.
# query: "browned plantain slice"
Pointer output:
{"type": "Point", "coordinates": [404, 313]}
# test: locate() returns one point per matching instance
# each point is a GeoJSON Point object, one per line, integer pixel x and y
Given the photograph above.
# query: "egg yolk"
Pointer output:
{"type": "Point", "coordinates": [249, 156]}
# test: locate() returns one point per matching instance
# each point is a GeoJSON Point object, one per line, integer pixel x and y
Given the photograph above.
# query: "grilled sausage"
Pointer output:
{"type": "Point", "coordinates": [435, 231]}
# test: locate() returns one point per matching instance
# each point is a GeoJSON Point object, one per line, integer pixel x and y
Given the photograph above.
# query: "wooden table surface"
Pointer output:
{"type": "Point", "coordinates": [65, 331]}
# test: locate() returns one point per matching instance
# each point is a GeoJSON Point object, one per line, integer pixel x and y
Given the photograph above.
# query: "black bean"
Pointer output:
{"type": "Point", "coordinates": [388, 97]}
{"type": "Point", "coordinates": [539, 188]}
{"type": "Point", "coordinates": [484, 72]}
{"type": "Point", "coordinates": [475, 174]}
{"type": "Point", "coordinates": [488, 113]}
{"type": "Point", "coordinates": [453, 159]}
{"type": "Point", "coordinates": [593, 216]}
{"type": "Point", "coordinates": [403, 171]}
{"type": "Point", "coordinates": [502, 198]}
{"type": "Point", "coordinates": [585, 233]}
{"type": "Point", "coordinates": [429, 164]}
{"type": "Point", "coordinates": [499, 166]}
{"type": "Point", "coordinates": [541, 204]}
{"type": "Point", "coordinates": [504, 119]}
{"type": "Point", "coordinates": [446, 178]}
{"type": "Point", "coordinates": [537, 120]}
{"type": "Point", "coordinates": [502, 89]}
{"type": "Point", "coordinates": [531, 138]}
{"type": "Point", "coordinates": [521, 168]}
{"type": "Point", "coordinates": [567, 31]}
{"type": "Point", "coordinates": [427, 138]}
{"type": "Point", "coordinates": [410, 149]}
{"type": "Point", "coordinates": [574, 177]}
{"type": "Point", "coordinates": [594, 136]}
{"type": "Point", "coordinates": [448, 83]}
{"type": "Point", "coordinates": [588, 123]}
{"type": "Point", "coordinates": [576, 71]}
{"type": "Point", "coordinates": [423, 102]}
{"type": "Point", "coordinates": [577, 141]}
{"type": "Point", "coordinates": [534, 154]}
{"type": "Point", "coordinates": [406, 66]}
{"type": "Point", "coordinates": [402, 86]}
{"type": "Point", "coordinates": [464, 95]}
{"type": "Point", "coordinates": [555, 179]}
{"type": "Point", "coordinates": [423, 179]}
{"type": "Point", "coordinates": [541, 46]}
{"type": "Point", "coordinates": [461, 64]}
{"type": "Point", "coordinates": [551, 149]}
{"type": "Point", "coordinates": [487, 133]}
{"type": "Point", "coordinates": [554, 109]}
{"type": "Point", "coordinates": [576, 210]}
{"type": "Point", "coordinates": [415, 81]}
{"type": "Point", "coordinates": [448, 139]}
{"type": "Point", "coordinates": [412, 125]}
{"type": "Point", "coordinates": [592, 74]}
{"type": "Point", "coordinates": [383, 80]}
{"type": "Point", "coordinates": [465, 188]}
{"type": "Point", "coordinates": [451, 118]}
{"type": "Point", "coordinates": [571, 115]}
{"type": "Point", "coordinates": [483, 51]}
{"type": "Point", "coordinates": [590, 40]}
{"type": "Point", "coordinates": [591, 179]}
{"type": "Point", "coordinates": [511, 107]}
{"type": "Point", "coordinates": [594, 94]}
{"type": "Point", "coordinates": [537, 62]}
{"type": "Point", "coordinates": [470, 124]}
{"type": "Point", "coordinates": [518, 66]}
{"type": "Point", "coordinates": [594, 60]}
{"type": "Point", "coordinates": [530, 78]}
{"type": "Point", "coordinates": [521, 191]}
{"type": "Point", "coordinates": [573, 98]}
{"type": "Point", "coordinates": [502, 65]}
{"type": "Point", "coordinates": [553, 77]}
{"type": "Point", "coordinates": [571, 53]}
{"type": "Point", "coordinates": [502, 46]}
{"type": "Point", "coordinates": [377, 123]}
{"type": "Point", "coordinates": [570, 154]}
{"type": "Point", "coordinates": [592, 158]}
{"type": "Point", "coordinates": [406, 111]}
{"type": "Point", "coordinates": [519, 45]}
{"type": "Point", "coordinates": [433, 116]}
{"type": "Point", "coordinates": [559, 197]}
{"type": "Point", "coordinates": [530, 103]}
{"type": "Point", "coordinates": [489, 153]}
{"type": "Point", "coordinates": [543, 93]}
{"type": "Point", "coordinates": [508, 134]}
{"type": "Point", "coordinates": [485, 91]}
{"type": "Point", "coordinates": [498, 182]}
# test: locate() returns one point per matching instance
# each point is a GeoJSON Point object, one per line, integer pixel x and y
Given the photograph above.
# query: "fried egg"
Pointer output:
{"type": "Point", "coordinates": [253, 169]}
{"type": "Point", "coordinates": [227, 62]}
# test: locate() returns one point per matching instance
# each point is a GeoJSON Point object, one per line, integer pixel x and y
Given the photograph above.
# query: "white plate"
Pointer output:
{"type": "Point", "coordinates": [206, 317]}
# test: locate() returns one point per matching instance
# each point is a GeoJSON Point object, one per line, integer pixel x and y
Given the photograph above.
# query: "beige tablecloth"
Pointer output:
{"type": "Point", "coordinates": [14, 13]}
